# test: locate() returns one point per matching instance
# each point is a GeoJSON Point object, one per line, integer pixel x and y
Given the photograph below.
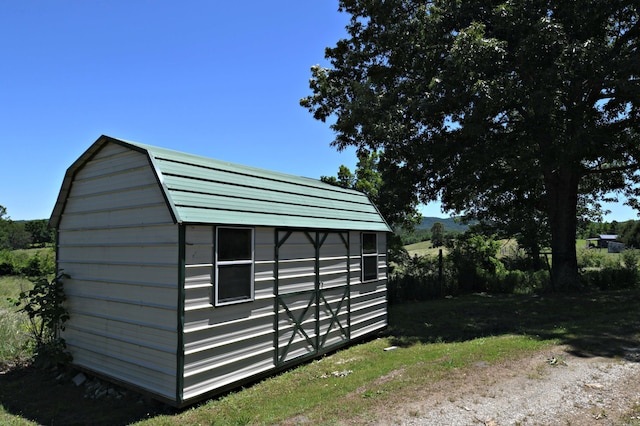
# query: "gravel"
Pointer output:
{"type": "Point", "coordinates": [548, 388]}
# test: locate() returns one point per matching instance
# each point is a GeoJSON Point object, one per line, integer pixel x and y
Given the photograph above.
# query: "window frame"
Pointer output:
{"type": "Point", "coordinates": [218, 263]}
{"type": "Point", "coordinates": [364, 256]}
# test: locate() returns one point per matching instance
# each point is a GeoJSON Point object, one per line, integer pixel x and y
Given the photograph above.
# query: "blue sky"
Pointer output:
{"type": "Point", "coordinates": [215, 78]}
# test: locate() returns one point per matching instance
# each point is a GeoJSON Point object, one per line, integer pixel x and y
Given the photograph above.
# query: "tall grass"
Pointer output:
{"type": "Point", "coordinates": [15, 342]}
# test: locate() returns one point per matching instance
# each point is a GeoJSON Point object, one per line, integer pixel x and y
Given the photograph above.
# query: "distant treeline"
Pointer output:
{"type": "Point", "coordinates": [25, 233]}
{"type": "Point", "coordinates": [628, 231]}
{"type": "Point", "coordinates": [422, 231]}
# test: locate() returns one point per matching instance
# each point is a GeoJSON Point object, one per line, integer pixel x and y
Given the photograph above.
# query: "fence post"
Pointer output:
{"type": "Point", "coordinates": [440, 277]}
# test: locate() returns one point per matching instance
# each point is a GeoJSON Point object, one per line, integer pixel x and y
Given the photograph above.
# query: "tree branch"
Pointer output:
{"type": "Point", "coordinates": [602, 170]}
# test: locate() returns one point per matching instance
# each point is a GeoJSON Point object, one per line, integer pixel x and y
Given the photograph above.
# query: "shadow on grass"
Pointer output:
{"type": "Point", "coordinates": [603, 324]}
{"type": "Point", "coordinates": [49, 397]}
{"type": "Point", "coordinates": [597, 324]}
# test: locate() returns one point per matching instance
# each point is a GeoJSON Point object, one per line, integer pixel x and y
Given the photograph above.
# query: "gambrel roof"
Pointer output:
{"type": "Point", "coordinates": [202, 190]}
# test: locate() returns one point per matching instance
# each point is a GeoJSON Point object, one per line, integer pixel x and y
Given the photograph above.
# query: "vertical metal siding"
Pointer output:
{"type": "Point", "coordinates": [119, 246]}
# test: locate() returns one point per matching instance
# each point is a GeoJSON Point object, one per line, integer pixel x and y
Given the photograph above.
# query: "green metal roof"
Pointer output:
{"type": "Point", "coordinates": [206, 191]}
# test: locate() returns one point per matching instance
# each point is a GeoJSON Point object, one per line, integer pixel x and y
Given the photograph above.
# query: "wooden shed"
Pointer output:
{"type": "Point", "coordinates": [190, 276]}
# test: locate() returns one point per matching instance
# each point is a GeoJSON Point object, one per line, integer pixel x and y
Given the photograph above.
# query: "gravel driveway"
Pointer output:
{"type": "Point", "coordinates": [549, 388]}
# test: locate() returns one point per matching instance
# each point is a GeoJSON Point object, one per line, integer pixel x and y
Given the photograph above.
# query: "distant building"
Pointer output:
{"type": "Point", "coordinates": [608, 241]}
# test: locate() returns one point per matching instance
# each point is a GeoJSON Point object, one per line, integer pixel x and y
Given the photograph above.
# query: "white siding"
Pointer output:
{"type": "Point", "coordinates": [229, 343]}
{"type": "Point", "coordinates": [368, 299]}
{"type": "Point", "coordinates": [118, 243]}
{"type": "Point", "coordinates": [312, 320]}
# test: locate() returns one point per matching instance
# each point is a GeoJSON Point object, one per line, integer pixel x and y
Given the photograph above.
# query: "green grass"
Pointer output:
{"type": "Point", "coordinates": [14, 340]}
{"type": "Point", "coordinates": [7, 419]}
{"type": "Point", "coordinates": [350, 384]}
{"type": "Point", "coordinates": [424, 248]}
{"type": "Point", "coordinates": [11, 286]}
{"type": "Point", "coordinates": [434, 340]}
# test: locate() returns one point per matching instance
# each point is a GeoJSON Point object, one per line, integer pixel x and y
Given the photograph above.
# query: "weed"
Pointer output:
{"type": "Point", "coordinates": [44, 306]}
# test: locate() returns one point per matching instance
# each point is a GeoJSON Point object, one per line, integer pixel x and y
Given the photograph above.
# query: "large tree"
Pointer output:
{"type": "Point", "coordinates": [384, 194]}
{"type": "Point", "coordinates": [485, 104]}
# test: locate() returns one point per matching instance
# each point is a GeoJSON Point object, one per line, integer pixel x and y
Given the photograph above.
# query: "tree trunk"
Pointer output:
{"type": "Point", "coordinates": [562, 193]}
{"type": "Point", "coordinates": [536, 263]}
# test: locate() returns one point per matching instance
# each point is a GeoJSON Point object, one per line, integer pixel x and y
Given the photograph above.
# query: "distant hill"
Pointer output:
{"type": "Point", "coordinates": [449, 223]}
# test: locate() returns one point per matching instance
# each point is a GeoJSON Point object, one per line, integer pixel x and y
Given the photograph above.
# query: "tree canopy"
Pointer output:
{"type": "Point", "coordinates": [368, 180]}
{"type": "Point", "coordinates": [437, 234]}
{"type": "Point", "coordinates": [500, 109]}
{"type": "Point", "coordinates": [22, 234]}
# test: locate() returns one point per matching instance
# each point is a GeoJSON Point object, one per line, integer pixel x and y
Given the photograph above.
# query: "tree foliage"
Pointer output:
{"type": "Point", "coordinates": [368, 180]}
{"type": "Point", "coordinates": [13, 235]}
{"type": "Point", "coordinates": [437, 234]}
{"type": "Point", "coordinates": [19, 235]}
{"type": "Point", "coordinates": [40, 232]}
{"type": "Point", "coordinates": [501, 109]}
{"type": "Point", "coordinates": [630, 233]}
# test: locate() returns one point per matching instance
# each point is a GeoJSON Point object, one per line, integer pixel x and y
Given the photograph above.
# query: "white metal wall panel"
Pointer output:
{"type": "Point", "coordinates": [333, 303]}
{"type": "Point", "coordinates": [368, 299]}
{"type": "Point", "coordinates": [297, 311]}
{"type": "Point", "coordinates": [148, 235]}
{"type": "Point", "coordinates": [162, 384]}
{"type": "Point", "coordinates": [118, 243]}
{"type": "Point", "coordinates": [228, 343]}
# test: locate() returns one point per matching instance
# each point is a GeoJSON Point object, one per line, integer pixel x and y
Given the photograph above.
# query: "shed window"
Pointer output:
{"type": "Point", "coordinates": [234, 265]}
{"type": "Point", "coordinates": [369, 256]}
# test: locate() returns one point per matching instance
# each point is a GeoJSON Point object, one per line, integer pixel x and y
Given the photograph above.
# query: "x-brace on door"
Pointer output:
{"type": "Point", "coordinates": [312, 292]}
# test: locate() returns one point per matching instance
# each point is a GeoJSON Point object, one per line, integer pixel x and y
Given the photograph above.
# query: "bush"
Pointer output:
{"type": "Point", "coordinates": [601, 271]}
{"type": "Point", "coordinates": [630, 259]}
{"type": "Point", "coordinates": [521, 282]}
{"type": "Point", "coordinates": [415, 279]}
{"type": "Point", "coordinates": [28, 263]}
{"type": "Point", "coordinates": [473, 261]}
{"type": "Point", "coordinates": [610, 278]}
{"type": "Point", "coordinates": [6, 269]}
{"type": "Point", "coordinates": [595, 258]}
{"type": "Point", "coordinates": [44, 305]}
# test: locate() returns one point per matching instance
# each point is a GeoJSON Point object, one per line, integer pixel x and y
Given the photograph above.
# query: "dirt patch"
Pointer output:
{"type": "Point", "coordinates": [550, 387]}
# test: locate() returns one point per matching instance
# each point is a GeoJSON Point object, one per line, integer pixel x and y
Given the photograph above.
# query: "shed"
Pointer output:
{"type": "Point", "coordinates": [602, 241]}
{"type": "Point", "coordinates": [190, 276]}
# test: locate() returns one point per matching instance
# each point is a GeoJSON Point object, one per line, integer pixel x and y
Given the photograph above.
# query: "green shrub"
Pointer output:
{"type": "Point", "coordinates": [610, 278]}
{"type": "Point", "coordinates": [30, 263]}
{"type": "Point", "coordinates": [417, 278]}
{"type": "Point", "coordinates": [630, 259]}
{"type": "Point", "coordinates": [473, 261]}
{"type": "Point", "coordinates": [6, 269]}
{"type": "Point", "coordinates": [594, 258]}
{"type": "Point", "coordinates": [44, 305]}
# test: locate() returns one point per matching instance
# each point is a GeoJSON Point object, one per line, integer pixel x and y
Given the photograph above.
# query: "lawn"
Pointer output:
{"type": "Point", "coordinates": [14, 340]}
{"type": "Point", "coordinates": [424, 248]}
{"type": "Point", "coordinates": [432, 339]}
